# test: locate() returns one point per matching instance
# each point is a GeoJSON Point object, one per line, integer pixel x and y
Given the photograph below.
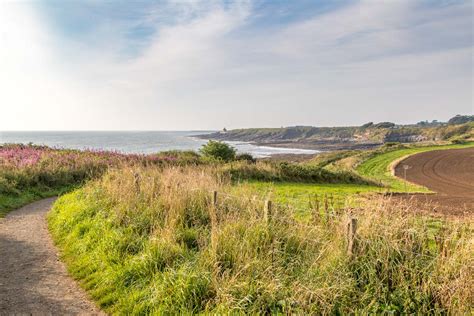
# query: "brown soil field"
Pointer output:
{"type": "Point", "coordinates": [449, 173]}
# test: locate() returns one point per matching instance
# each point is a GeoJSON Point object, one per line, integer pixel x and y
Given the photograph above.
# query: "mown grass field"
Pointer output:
{"type": "Point", "coordinates": [378, 167]}
{"type": "Point", "coordinates": [301, 195]}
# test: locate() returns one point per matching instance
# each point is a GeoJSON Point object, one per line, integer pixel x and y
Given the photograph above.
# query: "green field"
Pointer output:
{"type": "Point", "coordinates": [378, 167]}
{"type": "Point", "coordinates": [299, 195]}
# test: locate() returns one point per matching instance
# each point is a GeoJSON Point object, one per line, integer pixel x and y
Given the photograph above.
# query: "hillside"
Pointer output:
{"type": "Point", "coordinates": [352, 137]}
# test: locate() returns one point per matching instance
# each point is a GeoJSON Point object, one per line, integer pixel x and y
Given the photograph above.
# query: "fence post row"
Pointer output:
{"type": "Point", "coordinates": [351, 232]}
{"type": "Point", "coordinates": [351, 228]}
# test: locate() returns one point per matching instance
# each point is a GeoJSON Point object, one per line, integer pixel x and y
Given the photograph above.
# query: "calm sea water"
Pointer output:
{"type": "Point", "coordinates": [134, 142]}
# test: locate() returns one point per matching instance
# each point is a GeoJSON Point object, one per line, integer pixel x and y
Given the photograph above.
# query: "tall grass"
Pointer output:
{"type": "Point", "coordinates": [289, 172]}
{"type": "Point", "coordinates": [148, 241]}
{"type": "Point", "coordinates": [30, 172]}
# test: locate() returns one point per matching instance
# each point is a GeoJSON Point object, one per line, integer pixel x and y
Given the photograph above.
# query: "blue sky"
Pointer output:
{"type": "Point", "coordinates": [174, 65]}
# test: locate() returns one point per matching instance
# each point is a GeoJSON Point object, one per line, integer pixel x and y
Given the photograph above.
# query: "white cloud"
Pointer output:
{"type": "Point", "coordinates": [367, 61]}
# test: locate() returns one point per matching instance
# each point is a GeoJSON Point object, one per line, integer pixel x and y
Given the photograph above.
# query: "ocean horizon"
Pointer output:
{"type": "Point", "coordinates": [138, 142]}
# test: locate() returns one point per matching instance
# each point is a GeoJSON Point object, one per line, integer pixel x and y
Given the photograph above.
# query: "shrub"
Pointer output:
{"type": "Point", "coordinates": [459, 141]}
{"type": "Point", "coordinates": [391, 144]}
{"type": "Point", "coordinates": [461, 119]}
{"type": "Point", "coordinates": [291, 172]}
{"type": "Point", "coordinates": [384, 125]}
{"type": "Point", "coordinates": [220, 151]}
{"type": "Point", "coordinates": [246, 157]}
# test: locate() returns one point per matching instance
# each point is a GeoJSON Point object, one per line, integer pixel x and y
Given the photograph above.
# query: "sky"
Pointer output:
{"type": "Point", "coordinates": [205, 65]}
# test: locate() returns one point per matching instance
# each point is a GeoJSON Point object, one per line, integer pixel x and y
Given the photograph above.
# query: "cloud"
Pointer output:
{"type": "Point", "coordinates": [210, 66]}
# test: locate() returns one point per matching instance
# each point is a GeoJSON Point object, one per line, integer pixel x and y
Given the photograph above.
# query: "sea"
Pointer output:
{"type": "Point", "coordinates": [141, 142]}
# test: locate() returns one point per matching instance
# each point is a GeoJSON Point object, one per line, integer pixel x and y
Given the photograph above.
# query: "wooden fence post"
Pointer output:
{"type": "Point", "coordinates": [267, 211]}
{"type": "Point", "coordinates": [267, 216]}
{"type": "Point", "coordinates": [213, 216]}
{"type": "Point", "coordinates": [136, 176]}
{"type": "Point", "coordinates": [326, 207]}
{"type": "Point", "coordinates": [214, 198]}
{"type": "Point", "coordinates": [351, 232]}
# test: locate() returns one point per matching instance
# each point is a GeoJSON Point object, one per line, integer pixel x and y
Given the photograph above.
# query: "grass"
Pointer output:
{"type": "Point", "coordinates": [160, 246]}
{"type": "Point", "coordinates": [377, 168]}
{"type": "Point", "coordinates": [10, 202]}
{"type": "Point", "coordinates": [300, 195]}
{"type": "Point", "coordinates": [146, 238]}
{"type": "Point", "coordinates": [269, 171]}
{"type": "Point", "coordinates": [29, 173]}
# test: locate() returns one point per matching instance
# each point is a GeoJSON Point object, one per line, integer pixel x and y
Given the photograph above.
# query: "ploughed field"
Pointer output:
{"type": "Point", "coordinates": [449, 173]}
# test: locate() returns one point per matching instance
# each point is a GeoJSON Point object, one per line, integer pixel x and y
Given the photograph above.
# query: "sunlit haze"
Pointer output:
{"type": "Point", "coordinates": [188, 65]}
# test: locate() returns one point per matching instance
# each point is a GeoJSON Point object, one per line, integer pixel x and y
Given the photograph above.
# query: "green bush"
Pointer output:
{"type": "Point", "coordinates": [461, 119]}
{"type": "Point", "coordinates": [219, 151]}
{"type": "Point", "coordinates": [246, 157]}
{"type": "Point", "coordinates": [459, 141]}
{"type": "Point", "coordinates": [392, 144]}
{"type": "Point", "coordinates": [288, 172]}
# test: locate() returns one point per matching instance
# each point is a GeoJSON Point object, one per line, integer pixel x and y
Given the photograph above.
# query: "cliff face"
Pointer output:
{"type": "Point", "coordinates": [352, 137]}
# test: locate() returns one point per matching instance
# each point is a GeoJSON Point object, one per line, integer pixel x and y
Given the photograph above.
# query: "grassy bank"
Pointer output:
{"type": "Point", "coordinates": [9, 202]}
{"type": "Point", "coordinates": [377, 167]}
{"type": "Point", "coordinates": [159, 245]}
{"type": "Point", "coordinates": [29, 173]}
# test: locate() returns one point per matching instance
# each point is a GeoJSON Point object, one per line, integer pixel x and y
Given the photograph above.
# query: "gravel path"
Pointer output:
{"type": "Point", "coordinates": [32, 279]}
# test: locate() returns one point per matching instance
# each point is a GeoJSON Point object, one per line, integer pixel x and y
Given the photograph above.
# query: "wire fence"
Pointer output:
{"type": "Point", "coordinates": [323, 209]}
{"type": "Point", "coordinates": [271, 211]}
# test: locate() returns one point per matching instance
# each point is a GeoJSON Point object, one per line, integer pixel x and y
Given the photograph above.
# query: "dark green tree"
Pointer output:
{"type": "Point", "coordinates": [218, 151]}
{"type": "Point", "coordinates": [461, 119]}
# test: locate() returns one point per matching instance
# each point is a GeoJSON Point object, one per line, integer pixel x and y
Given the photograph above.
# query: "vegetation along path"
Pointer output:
{"type": "Point", "coordinates": [32, 279]}
{"type": "Point", "coordinates": [450, 173]}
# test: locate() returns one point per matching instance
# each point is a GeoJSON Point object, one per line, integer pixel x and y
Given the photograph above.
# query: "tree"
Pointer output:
{"type": "Point", "coordinates": [461, 119]}
{"type": "Point", "coordinates": [384, 125]}
{"type": "Point", "coordinates": [218, 151]}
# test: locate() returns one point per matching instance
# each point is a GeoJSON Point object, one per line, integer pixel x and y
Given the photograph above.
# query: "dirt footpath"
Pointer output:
{"type": "Point", "coordinates": [449, 173]}
{"type": "Point", "coordinates": [32, 279]}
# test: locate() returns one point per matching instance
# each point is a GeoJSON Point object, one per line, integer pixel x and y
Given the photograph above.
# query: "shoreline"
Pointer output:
{"type": "Point", "coordinates": [288, 149]}
{"type": "Point", "coordinates": [319, 146]}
